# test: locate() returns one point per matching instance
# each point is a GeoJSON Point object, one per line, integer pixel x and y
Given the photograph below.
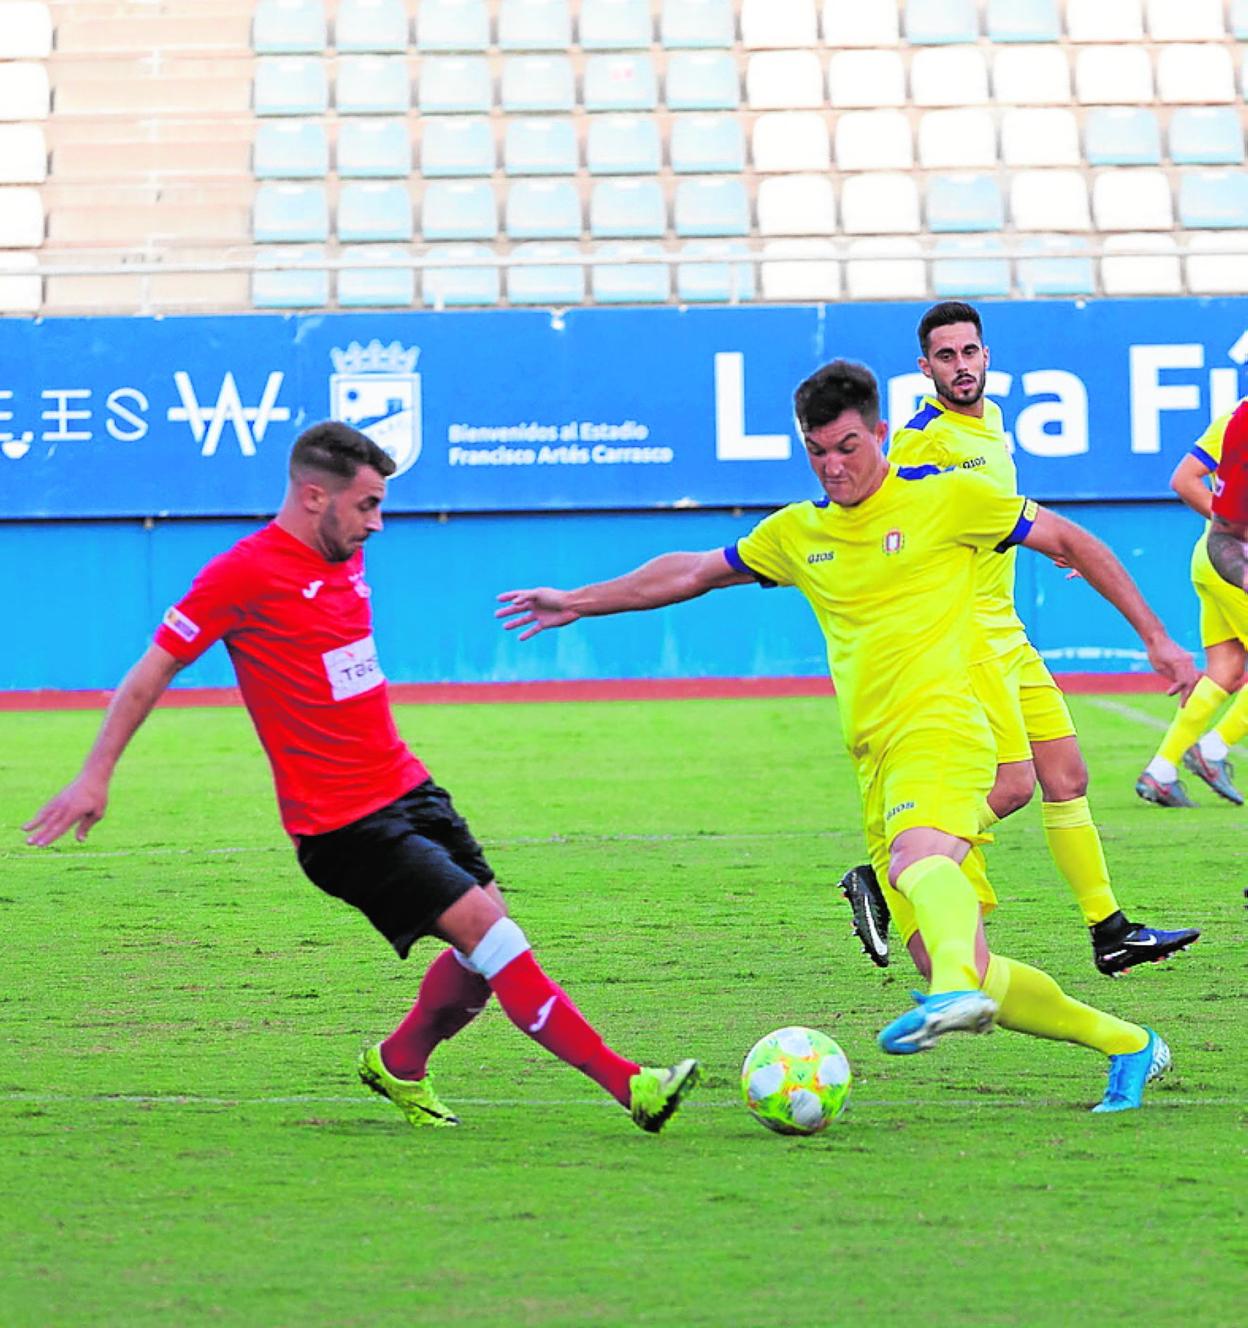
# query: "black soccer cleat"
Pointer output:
{"type": "Point", "coordinates": [1118, 945]}
{"type": "Point", "coordinates": [860, 887]}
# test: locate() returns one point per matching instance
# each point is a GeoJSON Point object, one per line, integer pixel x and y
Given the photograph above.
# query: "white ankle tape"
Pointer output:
{"type": "Point", "coordinates": [463, 960]}
{"type": "Point", "coordinates": [498, 947]}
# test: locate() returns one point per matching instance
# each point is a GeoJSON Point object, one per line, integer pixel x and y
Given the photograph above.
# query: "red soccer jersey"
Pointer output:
{"type": "Point", "coordinates": [1230, 484]}
{"type": "Point", "coordinates": [299, 633]}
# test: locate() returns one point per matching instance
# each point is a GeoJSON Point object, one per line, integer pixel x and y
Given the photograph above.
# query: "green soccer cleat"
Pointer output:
{"type": "Point", "coordinates": [415, 1098]}
{"type": "Point", "coordinates": [654, 1094]}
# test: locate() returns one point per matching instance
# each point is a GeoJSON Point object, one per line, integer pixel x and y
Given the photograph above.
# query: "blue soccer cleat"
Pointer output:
{"type": "Point", "coordinates": [933, 1016]}
{"type": "Point", "coordinates": [1219, 775]}
{"type": "Point", "coordinates": [1129, 1073]}
{"type": "Point", "coordinates": [1119, 944]}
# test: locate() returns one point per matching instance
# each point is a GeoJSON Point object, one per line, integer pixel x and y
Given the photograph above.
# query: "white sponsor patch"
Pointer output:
{"type": "Point", "coordinates": [177, 621]}
{"type": "Point", "coordinates": [353, 669]}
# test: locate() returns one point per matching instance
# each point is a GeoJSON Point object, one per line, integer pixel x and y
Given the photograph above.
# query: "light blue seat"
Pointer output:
{"type": "Point", "coordinates": [964, 202]}
{"type": "Point", "coordinates": [459, 210]}
{"type": "Point", "coordinates": [702, 81]}
{"type": "Point", "coordinates": [697, 24]}
{"type": "Point", "coordinates": [714, 207]}
{"type": "Point", "coordinates": [452, 145]}
{"type": "Point", "coordinates": [532, 282]}
{"type": "Point", "coordinates": [620, 82]}
{"type": "Point", "coordinates": [303, 288]}
{"type": "Point", "coordinates": [534, 25]}
{"type": "Point", "coordinates": [723, 274]}
{"type": "Point", "coordinates": [372, 287]}
{"type": "Point", "coordinates": [374, 210]}
{"type": "Point", "coordinates": [630, 283]}
{"type": "Point", "coordinates": [372, 85]}
{"type": "Point", "coordinates": [371, 25]}
{"type": "Point", "coordinates": [450, 282]}
{"type": "Point", "coordinates": [624, 209]}
{"type": "Point", "coordinates": [624, 145]}
{"type": "Point", "coordinates": [538, 83]}
{"type": "Point", "coordinates": [535, 145]}
{"type": "Point", "coordinates": [939, 22]}
{"type": "Point", "coordinates": [288, 27]}
{"type": "Point", "coordinates": [290, 150]}
{"type": "Point", "coordinates": [1213, 199]}
{"type": "Point", "coordinates": [543, 210]}
{"type": "Point", "coordinates": [374, 149]}
{"type": "Point", "coordinates": [290, 85]}
{"type": "Point", "coordinates": [1024, 21]}
{"type": "Point", "coordinates": [452, 25]}
{"type": "Point", "coordinates": [615, 25]}
{"type": "Point", "coordinates": [970, 266]}
{"type": "Point", "coordinates": [1055, 265]}
{"type": "Point", "coordinates": [1239, 19]}
{"type": "Point", "coordinates": [1121, 136]}
{"type": "Point", "coordinates": [1206, 136]}
{"type": "Point", "coordinates": [286, 211]}
{"type": "Point", "coordinates": [704, 144]}
{"type": "Point", "coordinates": [454, 85]}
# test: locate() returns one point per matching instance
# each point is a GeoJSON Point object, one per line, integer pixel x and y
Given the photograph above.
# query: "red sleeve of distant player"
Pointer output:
{"type": "Point", "coordinates": [208, 611]}
{"type": "Point", "coordinates": [1230, 485]}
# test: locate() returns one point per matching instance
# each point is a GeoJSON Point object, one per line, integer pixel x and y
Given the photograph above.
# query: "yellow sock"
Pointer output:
{"type": "Point", "coordinates": [987, 816]}
{"type": "Point", "coordinates": [1234, 723]}
{"type": "Point", "coordinates": [1029, 1001]}
{"type": "Point", "coordinates": [1075, 844]}
{"type": "Point", "coordinates": [947, 911]}
{"type": "Point", "coordinates": [1191, 720]}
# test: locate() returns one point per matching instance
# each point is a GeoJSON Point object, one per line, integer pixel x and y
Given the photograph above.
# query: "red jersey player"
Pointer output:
{"type": "Point", "coordinates": [368, 823]}
{"type": "Point", "coordinates": [1229, 529]}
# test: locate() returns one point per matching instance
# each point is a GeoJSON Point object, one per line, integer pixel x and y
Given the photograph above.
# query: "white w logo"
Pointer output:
{"type": "Point", "coordinates": [207, 422]}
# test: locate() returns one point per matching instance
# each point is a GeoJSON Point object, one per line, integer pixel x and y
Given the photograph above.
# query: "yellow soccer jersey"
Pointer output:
{"type": "Point", "coordinates": [936, 436]}
{"type": "Point", "coordinates": [1207, 449]}
{"type": "Point", "coordinates": [891, 581]}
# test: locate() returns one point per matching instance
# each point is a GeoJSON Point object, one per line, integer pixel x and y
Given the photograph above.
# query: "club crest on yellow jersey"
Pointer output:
{"type": "Point", "coordinates": [893, 542]}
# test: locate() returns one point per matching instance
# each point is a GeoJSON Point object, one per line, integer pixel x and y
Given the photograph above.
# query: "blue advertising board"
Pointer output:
{"type": "Point", "coordinates": [589, 409]}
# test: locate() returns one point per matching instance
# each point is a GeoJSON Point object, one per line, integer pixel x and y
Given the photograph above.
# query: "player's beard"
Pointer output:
{"type": "Point", "coordinates": [965, 394]}
{"type": "Point", "coordinates": [333, 546]}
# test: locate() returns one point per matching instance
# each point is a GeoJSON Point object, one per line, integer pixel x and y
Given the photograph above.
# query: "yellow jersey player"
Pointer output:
{"type": "Point", "coordinates": [958, 427]}
{"type": "Point", "coordinates": [1224, 636]}
{"type": "Point", "coordinates": [887, 560]}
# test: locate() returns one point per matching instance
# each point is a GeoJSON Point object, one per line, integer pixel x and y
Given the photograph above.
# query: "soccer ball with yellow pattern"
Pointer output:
{"type": "Point", "coordinates": [795, 1081]}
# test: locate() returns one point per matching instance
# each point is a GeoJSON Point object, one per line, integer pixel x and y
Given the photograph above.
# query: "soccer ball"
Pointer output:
{"type": "Point", "coordinates": [795, 1081]}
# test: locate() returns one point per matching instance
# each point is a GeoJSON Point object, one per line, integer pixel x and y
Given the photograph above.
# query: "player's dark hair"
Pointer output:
{"type": "Point", "coordinates": [945, 313]}
{"type": "Point", "coordinates": [334, 448]}
{"type": "Point", "coordinates": [829, 392]}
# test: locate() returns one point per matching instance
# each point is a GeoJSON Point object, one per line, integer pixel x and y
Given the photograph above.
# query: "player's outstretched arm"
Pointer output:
{"type": "Point", "coordinates": [1228, 551]}
{"type": "Point", "coordinates": [83, 801]}
{"type": "Point", "coordinates": [1078, 548]}
{"type": "Point", "coordinates": [1188, 481]}
{"type": "Point", "coordinates": [668, 579]}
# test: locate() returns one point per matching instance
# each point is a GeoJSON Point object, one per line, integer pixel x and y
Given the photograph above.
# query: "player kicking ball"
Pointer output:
{"type": "Point", "coordinates": [887, 560]}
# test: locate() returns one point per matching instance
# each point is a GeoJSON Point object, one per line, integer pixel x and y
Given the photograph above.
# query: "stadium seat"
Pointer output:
{"type": "Point", "coordinates": [717, 207]}
{"type": "Point", "coordinates": [849, 23]}
{"type": "Point", "coordinates": [280, 27]}
{"type": "Point", "coordinates": [1113, 75]}
{"type": "Point", "coordinates": [23, 154]}
{"type": "Point", "coordinates": [1141, 264]}
{"type": "Point", "coordinates": [615, 25]}
{"type": "Point", "coordinates": [1121, 136]}
{"type": "Point", "coordinates": [792, 141]}
{"type": "Point", "coordinates": [697, 24]}
{"type": "Point", "coordinates": [25, 30]}
{"type": "Point", "coordinates": [449, 145]}
{"type": "Point", "coordinates": [949, 76]}
{"type": "Point", "coordinates": [373, 85]}
{"type": "Point", "coordinates": [804, 270]}
{"type": "Point", "coordinates": [1185, 20]}
{"type": "Point", "coordinates": [866, 79]}
{"type": "Point", "coordinates": [723, 273]}
{"type": "Point", "coordinates": [1239, 19]}
{"type": "Point", "coordinates": [288, 85]}
{"type": "Point", "coordinates": [964, 202]}
{"type": "Point", "coordinates": [534, 25]}
{"type": "Point", "coordinates": [1049, 200]}
{"type": "Point", "coordinates": [459, 210]}
{"type": "Point", "coordinates": [1204, 136]}
{"type": "Point", "coordinates": [702, 81]}
{"type": "Point", "coordinates": [779, 80]}
{"type": "Point", "coordinates": [383, 148]}
{"type": "Point", "coordinates": [450, 282]}
{"type": "Point", "coordinates": [370, 210]}
{"type": "Point", "coordinates": [25, 93]}
{"type": "Point", "coordinates": [1030, 76]}
{"type": "Point", "coordinates": [884, 204]}
{"type": "Point", "coordinates": [21, 287]}
{"type": "Point", "coordinates": [306, 287]}
{"type": "Point", "coordinates": [940, 22]}
{"type": "Point", "coordinates": [970, 267]}
{"type": "Point", "coordinates": [1023, 21]}
{"type": "Point", "coordinates": [538, 83]}
{"type": "Point", "coordinates": [1132, 200]}
{"type": "Point", "coordinates": [455, 84]}
{"type": "Point", "coordinates": [778, 24]}
{"type": "Point", "coordinates": [543, 210]}
{"type": "Point", "coordinates": [1217, 263]}
{"type": "Point", "coordinates": [627, 209]}
{"type": "Point", "coordinates": [530, 281]}
{"type": "Point", "coordinates": [1195, 74]}
{"type": "Point", "coordinates": [1040, 136]}
{"type": "Point", "coordinates": [452, 25]}
{"type": "Point", "coordinates": [957, 139]}
{"type": "Point", "coordinates": [873, 141]}
{"type": "Point", "coordinates": [796, 205]}
{"type": "Point", "coordinates": [623, 145]}
{"type": "Point", "coordinates": [371, 25]}
{"type": "Point", "coordinates": [886, 268]}
{"type": "Point", "coordinates": [1213, 199]}
{"type": "Point", "coordinates": [295, 213]}
{"type": "Point", "coordinates": [1054, 265]}
{"type": "Point", "coordinates": [536, 145]}
{"type": "Point", "coordinates": [370, 286]}
{"type": "Point", "coordinates": [1104, 20]}
{"type": "Point", "coordinates": [22, 222]}
{"type": "Point", "coordinates": [703, 144]}
{"type": "Point", "coordinates": [285, 150]}
{"type": "Point", "coordinates": [620, 81]}
{"type": "Point", "coordinates": [630, 283]}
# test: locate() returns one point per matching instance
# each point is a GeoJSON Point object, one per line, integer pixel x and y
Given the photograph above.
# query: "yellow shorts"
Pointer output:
{"type": "Point", "coordinates": [1223, 612]}
{"type": "Point", "coordinates": [1022, 702]}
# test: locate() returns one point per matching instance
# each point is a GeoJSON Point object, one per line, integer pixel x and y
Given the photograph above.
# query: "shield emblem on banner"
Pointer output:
{"type": "Point", "coordinates": [376, 391]}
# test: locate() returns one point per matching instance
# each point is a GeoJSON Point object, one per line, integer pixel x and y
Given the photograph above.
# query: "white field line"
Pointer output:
{"type": "Point", "coordinates": [1127, 712]}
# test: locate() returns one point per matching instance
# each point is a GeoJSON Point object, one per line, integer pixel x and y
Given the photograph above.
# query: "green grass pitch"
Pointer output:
{"type": "Point", "coordinates": [183, 1140]}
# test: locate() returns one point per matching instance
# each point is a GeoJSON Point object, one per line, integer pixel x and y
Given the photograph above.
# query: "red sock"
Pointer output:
{"type": "Point", "coordinates": [539, 1007]}
{"type": "Point", "coordinates": [450, 997]}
